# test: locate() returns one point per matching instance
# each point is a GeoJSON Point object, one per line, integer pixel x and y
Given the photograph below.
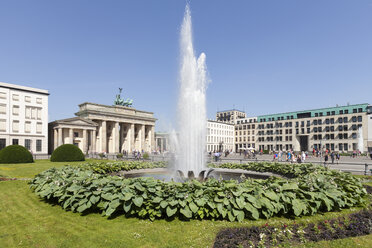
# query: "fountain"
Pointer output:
{"type": "Point", "coordinates": [192, 118]}
{"type": "Point", "coordinates": [360, 140]}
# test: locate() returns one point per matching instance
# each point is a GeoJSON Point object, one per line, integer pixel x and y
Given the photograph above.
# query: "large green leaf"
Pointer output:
{"type": "Point", "coordinates": [171, 211]}
{"type": "Point", "coordinates": [138, 201]}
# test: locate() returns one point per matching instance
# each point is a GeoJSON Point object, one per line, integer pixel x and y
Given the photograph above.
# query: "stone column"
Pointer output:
{"type": "Point", "coordinates": [71, 134]}
{"type": "Point", "coordinates": [55, 141]}
{"type": "Point", "coordinates": [161, 144]}
{"type": "Point", "coordinates": [116, 137]}
{"type": "Point", "coordinates": [103, 137]}
{"type": "Point", "coordinates": [85, 141]}
{"type": "Point", "coordinates": [152, 138]}
{"type": "Point", "coordinates": [60, 134]}
{"type": "Point", "coordinates": [143, 138]}
{"type": "Point", "coordinates": [131, 137]}
{"type": "Point", "coordinates": [94, 141]}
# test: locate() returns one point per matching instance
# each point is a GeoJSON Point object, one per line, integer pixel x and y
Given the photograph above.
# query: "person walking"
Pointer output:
{"type": "Point", "coordinates": [337, 157]}
{"type": "Point", "coordinates": [333, 157]}
{"type": "Point", "coordinates": [370, 155]}
{"type": "Point", "coordinates": [325, 159]}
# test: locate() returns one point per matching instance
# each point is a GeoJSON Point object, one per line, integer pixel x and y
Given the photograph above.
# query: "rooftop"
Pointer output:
{"type": "Point", "coordinates": [312, 112]}
{"type": "Point", "coordinates": [23, 88]}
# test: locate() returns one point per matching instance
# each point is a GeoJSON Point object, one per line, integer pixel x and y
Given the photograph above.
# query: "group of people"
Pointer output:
{"type": "Point", "coordinates": [290, 156]}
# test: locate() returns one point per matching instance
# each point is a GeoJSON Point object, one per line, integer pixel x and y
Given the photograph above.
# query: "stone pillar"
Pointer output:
{"type": "Point", "coordinates": [121, 137]}
{"type": "Point", "coordinates": [94, 141]}
{"type": "Point", "coordinates": [71, 135]}
{"type": "Point", "coordinates": [85, 141]}
{"type": "Point", "coordinates": [161, 144]}
{"type": "Point", "coordinates": [103, 137]}
{"type": "Point", "coordinates": [116, 137]}
{"type": "Point", "coordinates": [143, 138]}
{"type": "Point", "coordinates": [55, 141]}
{"type": "Point", "coordinates": [60, 135]}
{"type": "Point", "coordinates": [131, 137]}
{"type": "Point", "coordinates": [152, 138]}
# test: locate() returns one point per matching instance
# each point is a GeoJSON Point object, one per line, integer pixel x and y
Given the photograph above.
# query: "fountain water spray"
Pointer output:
{"type": "Point", "coordinates": [192, 116]}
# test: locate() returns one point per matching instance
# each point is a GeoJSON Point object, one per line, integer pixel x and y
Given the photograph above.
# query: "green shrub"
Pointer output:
{"type": "Point", "coordinates": [146, 155]}
{"type": "Point", "coordinates": [265, 151]}
{"type": "Point", "coordinates": [119, 155]}
{"type": "Point", "coordinates": [313, 189]}
{"type": "Point", "coordinates": [15, 154]}
{"type": "Point", "coordinates": [109, 167]}
{"type": "Point", "coordinates": [67, 153]}
{"type": "Point", "coordinates": [101, 155]}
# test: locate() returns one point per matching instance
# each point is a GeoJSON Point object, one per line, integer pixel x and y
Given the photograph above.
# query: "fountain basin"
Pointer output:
{"type": "Point", "coordinates": [167, 175]}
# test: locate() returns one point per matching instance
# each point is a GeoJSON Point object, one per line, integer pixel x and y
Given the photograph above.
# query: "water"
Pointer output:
{"type": "Point", "coordinates": [192, 119]}
{"type": "Point", "coordinates": [360, 140]}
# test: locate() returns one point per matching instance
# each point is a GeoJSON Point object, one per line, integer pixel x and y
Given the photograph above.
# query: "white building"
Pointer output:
{"type": "Point", "coordinates": [24, 117]}
{"type": "Point", "coordinates": [220, 136]}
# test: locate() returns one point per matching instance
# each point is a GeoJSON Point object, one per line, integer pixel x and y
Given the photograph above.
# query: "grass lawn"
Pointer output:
{"type": "Point", "coordinates": [27, 221]}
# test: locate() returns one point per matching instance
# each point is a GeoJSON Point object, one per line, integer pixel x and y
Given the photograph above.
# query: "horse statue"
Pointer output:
{"type": "Point", "coordinates": [120, 101]}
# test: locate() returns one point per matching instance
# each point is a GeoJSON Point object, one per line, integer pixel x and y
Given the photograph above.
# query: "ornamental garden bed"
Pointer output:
{"type": "Point", "coordinates": [311, 189]}
{"type": "Point", "coordinates": [356, 224]}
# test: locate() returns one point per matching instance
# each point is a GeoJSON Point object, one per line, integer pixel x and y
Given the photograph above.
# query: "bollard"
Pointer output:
{"type": "Point", "coordinates": [365, 169]}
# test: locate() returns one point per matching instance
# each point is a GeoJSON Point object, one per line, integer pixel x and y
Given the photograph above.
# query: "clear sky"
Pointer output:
{"type": "Point", "coordinates": [263, 56]}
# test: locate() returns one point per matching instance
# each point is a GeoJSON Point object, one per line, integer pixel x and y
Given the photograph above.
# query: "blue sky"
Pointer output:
{"type": "Point", "coordinates": [262, 56]}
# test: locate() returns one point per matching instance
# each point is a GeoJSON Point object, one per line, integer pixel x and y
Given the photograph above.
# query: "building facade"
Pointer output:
{"type": "Point", "coordinates": [24, 117]}
{"type": "Point", "coordinates": [336, 129]}
{"type": "Point", "coordinates": [245, 134]}
{"type": "Point", "coordinates": [220, 136]}
{"type": "Point", "coordinates": [230, 116]}
{"type": "Point", "coordinates": [105, 129]}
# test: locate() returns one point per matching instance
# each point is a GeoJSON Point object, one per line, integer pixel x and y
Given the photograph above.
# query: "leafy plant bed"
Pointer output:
{"type": "Point", "coordinates": [368, 189]}
{"type": "Point", "coordinates": [356, 224]}
{"type": "Point", "coordinates": [109, 167]}
{"type": "Point", "coordinates": [313, 189]}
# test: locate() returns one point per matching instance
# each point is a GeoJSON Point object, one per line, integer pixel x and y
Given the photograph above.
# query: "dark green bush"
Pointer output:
{"type": "Point", "coordinates": [15, 154]}
{"type": "Point", "coordinates": [67, 153]}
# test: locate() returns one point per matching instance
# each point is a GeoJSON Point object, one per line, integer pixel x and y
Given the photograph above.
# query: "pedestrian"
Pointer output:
{"type": "Point", "coordinates": [325, 160]}
{"type": "Point", "coordinates": [338, 157]}
{"type": "Point", "coordinates": [333, 157]}
{"type": "Point", "coordinates": [370, 155]}
{"type": "Point", "coordinates": [303, 157]}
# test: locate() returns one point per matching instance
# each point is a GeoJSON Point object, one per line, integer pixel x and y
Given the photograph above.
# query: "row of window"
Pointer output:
{"type": "Point", "coordinates": [318, 114]}
{"type": "Point", "coordinates": [15, 97]}
{"type": "Point", "coordinates": [27, 144]}
{"type": "Point", "coordinates": [16, 125]}
{"type": "Point", "coordinates": [243, 127]}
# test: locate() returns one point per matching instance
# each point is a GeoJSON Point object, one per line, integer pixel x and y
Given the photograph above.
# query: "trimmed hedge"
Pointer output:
{"type": "Point", "coordinates": [109, 167]}
{"type": "Point", "coordinates": [15, 154]}
{"type": "Point", "coordinates": [313, 190]}
{"type": "Point", "coordinates": [67, 153]}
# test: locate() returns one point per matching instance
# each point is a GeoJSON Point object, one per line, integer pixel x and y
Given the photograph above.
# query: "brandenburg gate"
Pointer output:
{"type": "Point", "coordinates": [105, 129]}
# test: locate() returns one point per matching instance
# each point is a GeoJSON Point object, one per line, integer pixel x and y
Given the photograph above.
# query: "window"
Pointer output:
{"type": "Point", "coordinates": [340, 146]}
{"type": "Point", "coordinates": [76, 134]}
{"type": "Point", "coordinates": [308, 130]}
{"type": "Point", "coordinates": [354, 135]}
{"type": "Point", "coordinates": [327, 121]}
{"type": "Point", "coordinates": [333, 113]}
{"type": "Point", "coordinates": [15, 126]}
{"type": "Point", "coordinates": [39, 127]}
{"type": "Point", "coordinates": [33, 113]}
{"type": "Point", "coordinates": [341, 112]}
{"type": "Point", "coordinates": [332, 136]}
{"type": "Point", "coordinates": [340, 136]}
{"type": "Point", "coordinates": [332, 128]}
{"type": "Point", "coordinates": [315, 137]}
{"type": "Point", "coordinates": [315, 122]}
{"type": "Point", "coordinates": [2, 143]}
{"type": "Point", "coordinates": [27, 127]}
{"type": "Point", "coordinates": [3, 125]}
{"type": "Point", "coordinates": [319, 122]}
{"type": "Point", "coordinates": [346, 111]}
{"type": "Point", "coordinates": [2, 95]}
{"type": "Point", "coordinates": [360, 110]}
{"type": "Point", "coordinates": [28, 144]}
{"type": "Point", "coordinates": [2, 108]}
{"type": "Point", "coordinates": [28, 112]}
{"type": "Point", "coordinates": [345, 127]}
{"type": "Point", "coordinates": [316, 115]}
{"type": "Point", "coordinates": [359, 118]}
{"type": "Point", "coordinates": [15, 110]}
{"type": "Point", "coordinates": [354, 119]}
{"type": "Point", "coordinates": [27, 99]}
{"type": "Point", "coordinates": [355, 111]}
{"type": "Point", "coordinates": [15, 141]}
{"type": "Point", "coordinates": [345, 135]}
{"type": "Point", "coordinates": [38, 145]}
{"type": "Point", "coordinates": [39, 100]}
{"type": "Point", "coordinates": [345, 120]}
{"type": "Point", "coordinates": [340, 128]}
{"type": "Point", "coordinates": [328, 113]}
{"type": "Point", "coordinates": [15, 97]}
{"type": "Point", "coordinates": [346, 147]}
{"type": "Point", "coordinates": [320, 114]}
{"type": "Point", "coordinates": [332, 120]}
